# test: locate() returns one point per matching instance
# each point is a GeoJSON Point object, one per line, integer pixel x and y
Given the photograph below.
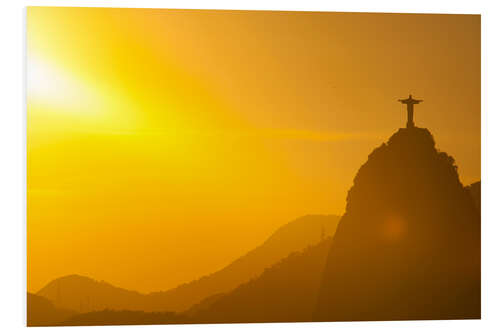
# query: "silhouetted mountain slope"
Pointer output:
{"type": "Point", "coordinates": [83, 294]}
{"type": "Point", "coordinates": [287, 291]}
{"type": "Point", "coordinates": [41, 312]}
{"type": "Point", "coordinates": [408, 246]}
{"type": "Point", "coordinates": [291, 237]}
{"type": "Point", "coordinates": [111, 317]}
{"type": "Point", "coordinates": [475, 191]}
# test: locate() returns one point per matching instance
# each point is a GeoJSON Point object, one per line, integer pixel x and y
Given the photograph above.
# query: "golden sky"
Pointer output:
{"type": "Point", "coordinates": [163, 144]}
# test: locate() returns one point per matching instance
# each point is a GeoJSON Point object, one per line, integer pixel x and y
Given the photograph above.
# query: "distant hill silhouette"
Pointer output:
{"type": "Point", "coordinates": [286, 291]}
{"type": "Point", "coordinates": [41, 312]}
{"type": "Point", "coordinates": [408, 246]}
{"type": "Point", "coordinates": [83, 294]}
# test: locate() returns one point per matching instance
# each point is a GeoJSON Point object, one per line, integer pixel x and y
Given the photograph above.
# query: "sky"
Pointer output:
{"type": "Point", "coordinates": [163, 144]}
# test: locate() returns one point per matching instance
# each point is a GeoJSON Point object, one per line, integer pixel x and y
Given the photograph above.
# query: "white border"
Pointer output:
{"type": "Point", "coordinates": [13, 158]}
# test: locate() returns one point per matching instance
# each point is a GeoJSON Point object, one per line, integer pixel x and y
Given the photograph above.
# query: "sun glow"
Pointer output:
{"type": "Point", "coordinates": [50, 86]}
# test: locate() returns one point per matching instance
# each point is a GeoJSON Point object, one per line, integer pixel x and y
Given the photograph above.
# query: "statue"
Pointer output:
{"type": "Point", "coordinates": [409, 108]}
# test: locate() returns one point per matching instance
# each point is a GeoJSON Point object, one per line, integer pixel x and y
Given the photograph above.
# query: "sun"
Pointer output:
{"type": "Point", "coordinates": [58, 90]}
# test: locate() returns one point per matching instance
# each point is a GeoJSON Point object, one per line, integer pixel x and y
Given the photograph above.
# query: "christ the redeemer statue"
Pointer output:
{"type": "Point", "coordinates": [409, 108]}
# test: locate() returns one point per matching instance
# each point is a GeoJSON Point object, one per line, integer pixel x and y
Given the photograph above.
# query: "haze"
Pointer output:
{"type": "Point", "coordinates": [163, 144]}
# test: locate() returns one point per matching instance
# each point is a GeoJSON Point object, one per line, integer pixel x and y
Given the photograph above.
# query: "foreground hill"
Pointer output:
{"type": "Point", "coordinates": [83, 294]}
{"type": "Point", "coordinates": [41, 312]}
{"type": "Point", "coordinates": [285, 292]}
{"type": "Point", "coordinates": [294, 236]}
{"type": "Point", "coordinates": [408, 246]}
{"type": "Point", "coordinates": [124, 317]}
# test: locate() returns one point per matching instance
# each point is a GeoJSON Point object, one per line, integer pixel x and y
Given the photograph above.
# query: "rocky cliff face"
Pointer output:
{"type": "Point", "coordinates": [408, 246]}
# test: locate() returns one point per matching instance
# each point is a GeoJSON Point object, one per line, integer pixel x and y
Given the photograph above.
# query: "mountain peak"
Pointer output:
{"type": "Point", "coordinates": [75, 278]}
{"type": "Point", "coordinates": [413, 229]}
{"type": "Point", "coordinates": [413, 135]}
{"type": "Point", "coordinates": [72, 281]}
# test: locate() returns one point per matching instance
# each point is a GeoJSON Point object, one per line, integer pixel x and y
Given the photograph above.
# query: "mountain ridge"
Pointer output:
{"type": "Point", "coordinates": [86, 294]}
{"type": "Point", "coordinates": [285, 292]}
